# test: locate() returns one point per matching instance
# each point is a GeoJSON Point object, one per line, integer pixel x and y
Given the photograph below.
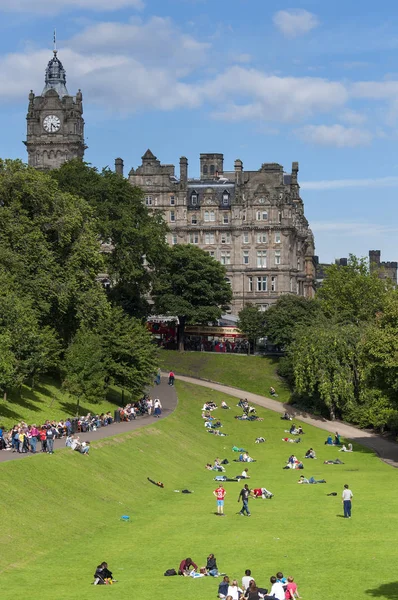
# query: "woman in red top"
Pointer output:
{"type": "Point", "coordinates": [43, 439]}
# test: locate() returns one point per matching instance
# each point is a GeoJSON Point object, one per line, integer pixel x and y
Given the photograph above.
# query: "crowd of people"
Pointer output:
{"type": "Point", "coordinates": [24, 439]}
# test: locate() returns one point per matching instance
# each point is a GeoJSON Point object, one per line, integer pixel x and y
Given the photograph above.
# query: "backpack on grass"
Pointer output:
{"type": "Point", "coordinates": [170, 572]}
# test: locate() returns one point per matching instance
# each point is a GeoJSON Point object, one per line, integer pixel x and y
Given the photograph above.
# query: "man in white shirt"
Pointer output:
{"type": "Point", "coordinates": [277, 589]}
{"type": "Point", "coordinates": [246, 579]}
{"type": "Point", "coordinates": [245, 474]}
{"type": "Point", "coordinates": [346, 499]}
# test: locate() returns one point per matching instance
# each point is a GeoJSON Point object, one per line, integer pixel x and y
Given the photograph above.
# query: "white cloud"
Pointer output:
{"type": "Point", "coordinates": [271, 97]}
{"type": "Point", "coordinates": [338, 184]}
{"type": "Point", "coordinates": [353, 228]}
{"type": "Point", "coordinates": [334, 135]}
{"type": "Point", "coordinates": [352, 117]}
{"type": "Point", "coordinates": [295, 22]}
{"type": "Point", "coordinates": [56, 6]}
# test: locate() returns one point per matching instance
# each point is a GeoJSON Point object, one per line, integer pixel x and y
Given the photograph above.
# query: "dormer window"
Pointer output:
{"type": "Point", "coordinates": [225, 198]}
{"type": "Point", "coordinates": [194, 198]}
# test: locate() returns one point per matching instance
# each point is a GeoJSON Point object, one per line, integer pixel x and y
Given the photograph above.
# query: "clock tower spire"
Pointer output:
{"type": "Point", "coordinates": [55, 125]}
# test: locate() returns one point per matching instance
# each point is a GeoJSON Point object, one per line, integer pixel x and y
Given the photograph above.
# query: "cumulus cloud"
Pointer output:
{"type": "Point", "coordinates": [352, 117]}
{"type": "Point", "coordinates": [295, 22]}
{"type": "Point", "coordinates": [334, 135]}
{"type": "Point", "coordinates": [56, 6]}
{"type": "Point", "coordinates": [339, 184]}
{"type": "Point", "coordinates": [272, 97]}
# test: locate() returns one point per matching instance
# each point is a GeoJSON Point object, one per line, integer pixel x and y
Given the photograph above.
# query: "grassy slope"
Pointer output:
{"type": "Point", "coordinates": [47, 401]}
{"type": "Point", "coordinates": [251, 373]}
{"type": "Point", "coordinates": [60, 514]}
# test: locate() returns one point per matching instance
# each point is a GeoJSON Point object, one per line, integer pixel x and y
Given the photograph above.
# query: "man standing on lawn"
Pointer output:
{"type": "Point", "coordinates": [220, 495]}
{"type": "Point", "coordinates": [347, 501]}
{"type": "Point", "coordinates": [244, 494]}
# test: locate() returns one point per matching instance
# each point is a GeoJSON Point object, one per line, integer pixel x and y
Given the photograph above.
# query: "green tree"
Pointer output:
{"type": "Point", "coordinates": [352, 294]}
{"type": "Point", "coordinates": [284, 317]}
{"type": "Point", "coordinates": [326, 365]}
{"type": "Point", "coordinates": [135, 235]}
{"type": "Point", "coordinates": [192, 286]}
{"type": "Point", "coordinates": [131, 359]}
{"type": "Point", "coordinates": [252, 323]}
{"type": "Point", "coordinates": [8, 363]}
{"type": "Point", "coordinates": [84, 367]}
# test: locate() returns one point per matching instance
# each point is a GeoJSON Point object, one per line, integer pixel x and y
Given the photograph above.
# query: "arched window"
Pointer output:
{"type": "Point", "coordinates": [212, 170]}
{"type": "Point", "coordinates": [194, 198]}
{"type": "Point", "coordinates": [205, 170]}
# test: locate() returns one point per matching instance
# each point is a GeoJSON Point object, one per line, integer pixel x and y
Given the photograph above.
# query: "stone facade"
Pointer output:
{"type": "Point", "coordinates": [385, 270]}
{"type": "Point", "coordinates": [55, 125]}
{"type": "Point", "coordinates": [251, 221]}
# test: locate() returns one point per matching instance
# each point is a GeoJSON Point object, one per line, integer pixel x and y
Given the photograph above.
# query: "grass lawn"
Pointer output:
{"type": "Point", "coordinates": [251, 373]}
{"type": "Point", "coordinates": [60, 514]}
{"type": "Point", "coordinates": [48, 401]}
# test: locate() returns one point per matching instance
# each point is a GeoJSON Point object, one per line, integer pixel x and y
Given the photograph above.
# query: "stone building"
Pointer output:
{"type": "Point", "coordinates": [251, 221]}
{"type": "Point", "coordinates": [385, 270]}
{"type": "Point", "coordinates": [55, 125]}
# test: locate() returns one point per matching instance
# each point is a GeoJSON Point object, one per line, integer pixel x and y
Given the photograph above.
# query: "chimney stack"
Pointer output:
{"type": "Point", "coordinates": [238, 165]}
{"type": "Point", "coordinates": [183, 170]}
{"type": "Point", "coordinates": [119, 165]}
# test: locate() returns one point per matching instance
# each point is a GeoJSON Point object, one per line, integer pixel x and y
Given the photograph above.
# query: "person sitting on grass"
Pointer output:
{"type": "Point", "coordinates": [245, 474]}
{"type": "Point", "coordinates": [291, 591]}
{"type": "Point", "coordinates": [224, 404]}
{"type": "Point", "coordinates": [252, 592]}
{"type": "Point", "coordinates": [277, 590]}
{"type": "Point", "coordinates": [211, 566]}
{"type": "Point", "coordinates": [103, 575]}
{"type": "Point", "coordinates": [286, 417]}
{"type": "Point", "coordinates": [85, 448]}
{"type": "Point", "coordinates": [345, 449]}
{"type": "Point", "coordinates": [310, 453]}
{"type": "Point", "coordinates": [223, 587]}
{"type": "Point", "coordinates": [272, 391]}
{"type": "Point", "coordinates": [329, 441]}
{"type": "Point", "coordinates": [234, 590]}
{"type": "Point", "coordinates": [337, 440]}
{"type": "Point", "coordinates": [185, 566]}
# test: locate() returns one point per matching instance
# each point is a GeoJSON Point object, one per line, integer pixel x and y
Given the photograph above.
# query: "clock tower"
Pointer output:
{"type": "Point", "coordinates": [55, 125]}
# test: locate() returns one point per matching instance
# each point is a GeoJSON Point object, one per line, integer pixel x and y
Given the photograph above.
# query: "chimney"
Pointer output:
{"type": "Point", "coordinates": [183, 170]}
{"type": "Point", "coordinates": [119, 166]}
{"type": "Point", "coordinates": [238, 165]}
{"type": "Point", "coordinates": [295, 169]}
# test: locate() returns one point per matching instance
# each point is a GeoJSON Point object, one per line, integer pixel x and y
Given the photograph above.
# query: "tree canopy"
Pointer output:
{"type": "Point", "coordinates": [192, 286]}
{"type": "Point", "coordinates": [252, 323]}
{"type": "Point", "coordinates": [289, 313]}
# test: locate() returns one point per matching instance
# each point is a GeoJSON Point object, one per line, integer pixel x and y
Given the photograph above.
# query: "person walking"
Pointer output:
{"type": "Point", "coordinates": [220, 495]}
{"type": "Point", "coordinates": [158, 408]}
{"type": "Point", "coordinates": [347, 501]}
{"type": "Point", "coordinates": [171, 378]}
{"type": "Point", "coordinates": [157, 378]}
{"type": "Point", "coordinates": [244, 495]}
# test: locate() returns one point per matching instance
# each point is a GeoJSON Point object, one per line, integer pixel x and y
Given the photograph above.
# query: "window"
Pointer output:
{"type": "Point", "coordinates": [262, 259]}
{"type": "Point", "coordinates": [209, 238]}
{"type": "Point", "coordinates": [262, 238]}
{"type": "Point", "coordinates": [273, 284]}
{"type": "Point", "coordinates": [262, 283]}
{"type": "Point", "coordinates": [225, 257]}
{"type": "Point", "coordinates": [291, 284]}
{"type": "Point", "coordinates": [212, 169]}
{"type": "Point", "coordinates": [262, 215]}
{"type": "Point", "coordinates": [174, 239]}
{"type": "Point", "coordinates": [148, 200]}
{"type": "Point", "coordinates": [250, 279]}
{"type": "Point", "coordinates": [225, 237]}
{"type": "Point", "coordinates": [194, 220]}
{"type": "Point", "coordinates": [245, 238]}
{"type": "Point", "coordinates": [280, 215]}
{"type": "Point", "coordinates": [210, 215]}
{"type": "Point", "coordinates": [277, 237]}
{"type": "Point", "coordinates": [194, 238]}
{"type": "Point", "coordinates": [298, 264]}
{"type": "Point", "coordinates": [212, 253]}
{"type": "Point", "coordinates": [194, 198]}
{"type": "Point", "coordinates": [225, 198]}
{"type": "Point", "coordinates": [245, 257]}
{"type": "Point", "coordinates": [172, 216]}
{"type": "Point", "coordinates": [205, 170]}
{"type": "Point", "coordinates": [172, 200]}
{"type": "Point", "coordinates": [225, 219]}
{"type": "Point", "coordinates": [244, 217]}
{"type": "Point", "coordinates": [263, 307]}
{"type": "Point", "coordinates": [277, 257]}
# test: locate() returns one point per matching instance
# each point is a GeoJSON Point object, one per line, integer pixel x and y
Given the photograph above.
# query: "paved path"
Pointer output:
{"type": "Point", "coordinates": [165, 393]}
{"type": "Point", "coordinates": [386, 449]}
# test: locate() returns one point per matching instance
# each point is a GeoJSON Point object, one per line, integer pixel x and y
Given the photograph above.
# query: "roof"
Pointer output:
{"type": "Point", "coordinates": [55, 78]}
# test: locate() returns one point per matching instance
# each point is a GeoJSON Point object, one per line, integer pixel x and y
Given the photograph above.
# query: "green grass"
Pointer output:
{"type": "Point", "coordinates": [48, 401]}
{"type": "Point", "coordinates": [60, 514]}
{"type": "Point", "coordinates": [251, 373]}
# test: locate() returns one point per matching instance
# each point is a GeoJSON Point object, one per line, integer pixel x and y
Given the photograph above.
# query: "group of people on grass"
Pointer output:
{"type": "Point", "coordinates": [281, 588]}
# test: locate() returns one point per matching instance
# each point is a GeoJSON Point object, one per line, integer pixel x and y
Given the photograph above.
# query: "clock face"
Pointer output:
{"type": "Point", "coordinates": [51, 123]}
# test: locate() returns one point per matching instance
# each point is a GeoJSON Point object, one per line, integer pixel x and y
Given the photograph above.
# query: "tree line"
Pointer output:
{"type": "Point", "coordinates": [55, 315]}
{"type": "Point", "coordinates": [341, 348]}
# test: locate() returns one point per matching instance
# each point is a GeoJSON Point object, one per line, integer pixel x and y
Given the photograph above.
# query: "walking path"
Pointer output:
{"type": "Point", "coordinates": [385, 449]}
{"type": "Point", "coordinates": [164, 392]}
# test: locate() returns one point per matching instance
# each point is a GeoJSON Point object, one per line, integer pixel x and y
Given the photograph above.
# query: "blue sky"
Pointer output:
{"type": "Point", "coordinates": [257, 80]}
